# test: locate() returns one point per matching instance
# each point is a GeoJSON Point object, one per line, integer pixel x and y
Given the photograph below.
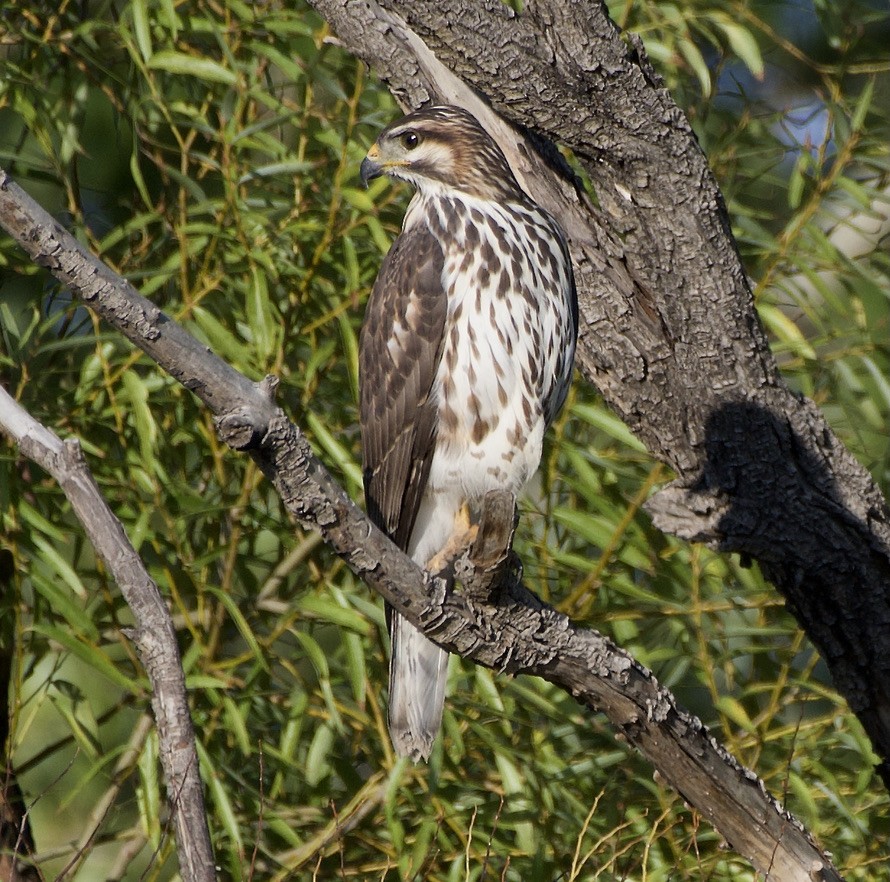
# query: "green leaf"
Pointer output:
{"type": "Point", "coordinates": [328, 610]}
{"type": "Point", "coordinates": [744, 44]}
{"type": "Point", "coordinates": [393, 825]}
{"type": "Point", "coordinates": [356, 668]}
{"type": "Point", "coordinates": [803, 804]}
{"type": "Point", "coordinates": [350, 350]}
{"type": "Point", "coordinates": [511, 777]}
{"type": "Point", "coordinates": [167, 15]}
{"type": "Point", "coordinates": [241, 623]}
{"type": "Point", "coordinates": [275, 170]}
{"type": "Point", "coordinates": [350, 267]}
{"type": "Point", "coordinates": [218, 784]}
{"type": "Point", "coordinates": [236, 726]}
{"type": "Point", "coordinates": [359, 199]}
{"type": "Point", "coordinates": [191, 66]}
{"type": "Point", "coordinates": [63, 604]}
{"type": "Point", "coordinates": [290, 736]}
{"type": "Point", "coordinates": [51, 557]}
{"type": "Point", "coordinates": [70, 702]}
{"type": "Point", "coordinates": [141, 28]}
{"type": "Point", "coordinates": [139, 181]}
{"type": "Point", "coordinates": [92, 655]}
{"type": "Point", "coordinates": [733, 709]}
{"type": "Point", "coordinates": [696, 61]}
{"type": "Point", "coordinates": [381, 238]}
{"type": "Point", "coordinates": [878, 376]}
{"type": "Point", "coordinates": [316, 655]}
{"type": "Point", "coordinates": [785, 330]}
{"type": "Point", "coordinates": [318, 765]}
{"type": "Point", "coordinates": [290, 68]}
{"type": "Point", "coordinates": [37, 521]}
{"type": "Point", "coordinates": [259, 313]}
{"type": "Point", "coordinates": [220, 339]}
{"type": "Point", "coordinates": [797, 180]}
{"type": "Point", "coordinates": [863, 105]}
{"type": "Point", "coordinates": [607, 422]}
{"type": "Point", "coordinates": [148, 791]}
{"type": "Point", "coordinates": [146, 429]}
{"type": "Point", "coordinates": [342, 457]}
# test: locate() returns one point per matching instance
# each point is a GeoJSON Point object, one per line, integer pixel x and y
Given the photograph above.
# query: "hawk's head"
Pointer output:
{"type": "Point", "coordinates": [442, 148]}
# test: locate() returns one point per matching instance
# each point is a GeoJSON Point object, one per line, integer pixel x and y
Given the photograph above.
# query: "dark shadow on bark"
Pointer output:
{"type": "Point", "coordinates": [776, 501]}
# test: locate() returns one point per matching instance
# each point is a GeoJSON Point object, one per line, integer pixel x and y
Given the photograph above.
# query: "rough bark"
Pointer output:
{"type": "Point", "coordinates": [154, 635]}
{"type": "Point", "coordinates": [509, 630]}
{"type": "Point", "coordinates": [16, 841]}
{"type": "Point", "coordinates": [669, 331]}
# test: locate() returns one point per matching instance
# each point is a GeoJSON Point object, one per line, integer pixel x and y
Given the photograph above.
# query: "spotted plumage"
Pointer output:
{"type": "Point", "coordinates": [465, 358]}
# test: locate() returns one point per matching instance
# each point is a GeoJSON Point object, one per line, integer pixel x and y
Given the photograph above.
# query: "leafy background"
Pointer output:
{"type": "Point", "coordinates": [208, 150]}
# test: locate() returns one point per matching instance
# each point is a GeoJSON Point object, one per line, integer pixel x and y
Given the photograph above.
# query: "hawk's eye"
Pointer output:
{"type": "Point", "coordinates": [409, 140]}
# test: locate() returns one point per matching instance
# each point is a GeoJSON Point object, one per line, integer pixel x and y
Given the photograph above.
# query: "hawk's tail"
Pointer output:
{"type": "Point", "coordinates": [418, 670]}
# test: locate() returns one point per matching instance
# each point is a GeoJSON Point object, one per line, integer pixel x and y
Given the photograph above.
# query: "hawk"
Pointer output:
{"type": "Point", "coordinates": [465, 358]}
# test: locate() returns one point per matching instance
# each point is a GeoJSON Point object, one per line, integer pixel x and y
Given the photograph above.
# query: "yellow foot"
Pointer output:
{"type": "Point", "coordinates": [462, 538]}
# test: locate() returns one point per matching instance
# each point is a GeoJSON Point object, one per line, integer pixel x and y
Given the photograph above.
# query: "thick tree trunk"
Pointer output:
{"type": "Point", "coordinates": [669, 331]}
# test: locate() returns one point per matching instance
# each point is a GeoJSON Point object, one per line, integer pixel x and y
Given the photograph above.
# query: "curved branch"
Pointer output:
{"type": "Point", "coordinates": [154, 635]}
{"type": "Point", "coordinates": [518, 635]}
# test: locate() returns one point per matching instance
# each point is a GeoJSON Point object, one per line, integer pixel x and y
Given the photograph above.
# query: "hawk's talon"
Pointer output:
{"type": "Point", "coordinates": [460, 542]}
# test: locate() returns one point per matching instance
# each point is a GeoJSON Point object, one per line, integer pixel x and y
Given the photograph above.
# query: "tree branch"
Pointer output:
{"type": "Point", "coordinates": [518, 635]}
{"type": "Point", "coordinates": [669, 333]}
{"type": "Point", "coordinates": [154, 635]}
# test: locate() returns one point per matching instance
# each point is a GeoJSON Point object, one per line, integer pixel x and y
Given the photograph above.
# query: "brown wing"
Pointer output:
{"type": "Point", "coordinates": [400, 349]}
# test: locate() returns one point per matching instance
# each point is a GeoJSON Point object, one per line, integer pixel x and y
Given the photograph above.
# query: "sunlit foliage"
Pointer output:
{"type": "Point", "coordinates": [209, 152]}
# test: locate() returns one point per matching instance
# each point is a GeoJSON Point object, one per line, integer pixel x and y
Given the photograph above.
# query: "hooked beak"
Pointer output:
{"type": "Point", "coordinates": [369, 170]}
{"type": "Point", "coordinates": [371, 167]}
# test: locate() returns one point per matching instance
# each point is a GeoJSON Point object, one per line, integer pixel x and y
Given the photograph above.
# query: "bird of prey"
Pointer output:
{"type": "Point", "coordinates": [465, 358]}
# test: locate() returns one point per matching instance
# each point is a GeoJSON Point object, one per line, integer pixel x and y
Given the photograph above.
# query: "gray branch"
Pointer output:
{"type": "Point", "coordinates": [154, 635]}
{"type": "Point", "coordinates": [513, 631]}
